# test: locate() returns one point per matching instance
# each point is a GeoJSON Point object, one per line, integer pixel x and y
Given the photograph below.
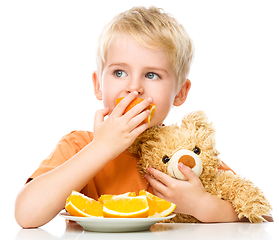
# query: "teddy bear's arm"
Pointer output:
{"type": "Point", "coordinates": [247, 199]}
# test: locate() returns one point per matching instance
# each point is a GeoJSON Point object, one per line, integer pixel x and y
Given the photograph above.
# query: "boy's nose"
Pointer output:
{"type": "Point", "coordinates": [135, 85]}
{"type": "Point", "coordinates": [132, 89]}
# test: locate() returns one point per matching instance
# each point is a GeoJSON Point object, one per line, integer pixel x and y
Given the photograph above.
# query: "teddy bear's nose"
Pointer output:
{"type": "Point", "coordinates": [188, 161]}
{"type": "Point", "coordinates": [188, 158]}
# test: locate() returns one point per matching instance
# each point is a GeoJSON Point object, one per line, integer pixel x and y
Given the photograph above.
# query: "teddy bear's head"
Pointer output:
{"type": "Point", "coordinates": [192, 143]}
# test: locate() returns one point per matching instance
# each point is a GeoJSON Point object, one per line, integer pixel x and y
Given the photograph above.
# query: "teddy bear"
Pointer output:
{"type": "Point", "coordinates": [193, 143]}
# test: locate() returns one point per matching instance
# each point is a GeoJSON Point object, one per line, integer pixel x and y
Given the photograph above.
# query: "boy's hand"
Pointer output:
{"type": "Point", "coordinates": [187, 195]}
{"type": "Point", "coordinates": [190, 196]}
{"type": "Point", "coordinates": [119, 131]}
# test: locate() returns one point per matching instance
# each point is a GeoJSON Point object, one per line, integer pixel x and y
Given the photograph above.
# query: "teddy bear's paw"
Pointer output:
{"type": "Point", "coordinates": [256, 212]}
{"type": "Point", "coordinates": [252, 218]}
{"type": "Point", "coordinates": [183, 218]}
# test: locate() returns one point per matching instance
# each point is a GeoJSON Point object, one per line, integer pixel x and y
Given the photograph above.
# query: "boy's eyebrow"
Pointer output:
{"type": "Point", "coordinates": [118, 64]}
{"type": "Point", "coordinates": [151, 68]}
{"type": "Point", "coordinates": [157, 69]}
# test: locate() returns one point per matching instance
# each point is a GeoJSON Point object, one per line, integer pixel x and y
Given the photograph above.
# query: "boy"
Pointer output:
{"type": "Point", "coordinates": [142, 53]}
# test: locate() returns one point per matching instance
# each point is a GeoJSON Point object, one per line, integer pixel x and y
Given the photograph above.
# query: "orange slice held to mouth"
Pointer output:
{"type": "Point", "coordinates": [136, 101]}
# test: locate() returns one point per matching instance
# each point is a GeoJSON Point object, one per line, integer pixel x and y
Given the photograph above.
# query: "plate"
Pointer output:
{"type": "Point", "coordinates": [100, 224]}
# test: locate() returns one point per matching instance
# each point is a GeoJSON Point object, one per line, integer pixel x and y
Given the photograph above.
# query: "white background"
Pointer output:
{"type": "Point", "coordinates": [47, 56]}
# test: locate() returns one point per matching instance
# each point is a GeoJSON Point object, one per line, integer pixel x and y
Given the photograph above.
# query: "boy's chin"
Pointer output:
{"type": "Point", "coordinates": [154, 124]}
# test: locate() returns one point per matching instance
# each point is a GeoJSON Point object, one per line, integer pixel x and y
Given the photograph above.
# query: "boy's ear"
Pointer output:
{"type": "Point", "coordinates": [97, 86]}
{"type": "Point", "coordinates": [180, 98]}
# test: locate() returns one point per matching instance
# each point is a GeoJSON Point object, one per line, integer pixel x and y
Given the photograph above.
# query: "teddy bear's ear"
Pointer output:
{"type": "Point", "coordinates": [196, 120]}
{"type": "Point", "coordinates": [147, 135]}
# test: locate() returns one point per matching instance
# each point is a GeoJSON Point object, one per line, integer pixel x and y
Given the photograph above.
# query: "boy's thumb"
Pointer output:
{"type": "Point", "coordinates": [186, 171]}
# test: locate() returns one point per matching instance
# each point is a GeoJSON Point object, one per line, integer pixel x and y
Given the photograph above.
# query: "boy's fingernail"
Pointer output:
{"type": "Point", "coordinates": [135, 92]}
{"type": "Point", "coordinates": [150, 100]}
{"type": "Point", "coordinates": [181, 165]}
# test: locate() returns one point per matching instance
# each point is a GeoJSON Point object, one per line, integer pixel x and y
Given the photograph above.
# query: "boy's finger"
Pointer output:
{"type": "Point", "coordinates": [124, 103]}
{"type": "Point", "coordinates": [100, 115]}
{"type": "Point", "coordinates": [138, 130]}
{"type": "Point", "coordinates": [138, 119]}
{"type": "Point", "coordinates": [137, 109]}
{"type": "Point", "coordinates": [187, 172]}
{"type": "Point", "coordinates": [162, 177]}
{"type": "Point", "coordinates": [158, 186]}
{"type": "Point", "coordinates": [158, 194]}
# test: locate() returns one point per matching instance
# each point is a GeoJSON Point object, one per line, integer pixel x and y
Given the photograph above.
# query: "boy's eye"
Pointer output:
{"type": "Point", "coordinates": [120, 73]}
{"type": "Point", "coordinates": [152, 75]}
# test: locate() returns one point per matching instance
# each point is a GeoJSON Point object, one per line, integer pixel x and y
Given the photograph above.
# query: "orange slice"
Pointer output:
{"type": "Point", "coordinates": [136, 101]}
{"type": "Point", "coordinates": [107, 197]}
{"type": "Point", "coordinates": [80, 205]}
{"type": "Point", "coordinates": [157, 207]}
{"type": "Point", "coordinates": [126, 207]}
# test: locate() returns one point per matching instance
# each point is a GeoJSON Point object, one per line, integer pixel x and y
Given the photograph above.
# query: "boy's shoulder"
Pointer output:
{"type": "Point", "coordinates": [78, 137]}
{"type": "Point", "coordinates": [66, 148]}
{"type": "Point", "coordinates": [79, 133]}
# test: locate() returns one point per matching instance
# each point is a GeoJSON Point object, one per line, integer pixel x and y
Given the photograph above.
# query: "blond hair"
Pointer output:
{"type": "Point", "coordinates": [152, 28]}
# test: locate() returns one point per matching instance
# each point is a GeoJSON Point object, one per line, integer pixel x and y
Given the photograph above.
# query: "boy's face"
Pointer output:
{"type": "Point", "coordinates": [132, 67]}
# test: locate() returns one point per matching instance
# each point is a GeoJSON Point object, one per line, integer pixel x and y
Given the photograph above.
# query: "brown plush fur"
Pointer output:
{"type": "Point", "coordinates": [195, 131]}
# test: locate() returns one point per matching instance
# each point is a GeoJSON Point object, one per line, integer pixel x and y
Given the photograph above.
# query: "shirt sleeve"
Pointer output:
{"type": "Point", "coordinates": [224, 167]}
{"type": "Point", "coordinates": [66, 148]}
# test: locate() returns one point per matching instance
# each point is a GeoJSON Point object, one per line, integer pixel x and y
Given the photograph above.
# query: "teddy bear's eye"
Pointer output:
{"type": "Point", "coordinates": [196, 150]}
{"type": "Point", "coordinates": [165, 159]}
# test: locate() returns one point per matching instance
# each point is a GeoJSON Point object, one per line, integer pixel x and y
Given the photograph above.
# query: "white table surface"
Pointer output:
{"type": "Point", "coordinates": [58, 228]}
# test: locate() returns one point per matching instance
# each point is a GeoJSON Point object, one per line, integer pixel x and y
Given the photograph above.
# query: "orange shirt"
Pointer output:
{"type": "Point", "coordinates": [119, 176]}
